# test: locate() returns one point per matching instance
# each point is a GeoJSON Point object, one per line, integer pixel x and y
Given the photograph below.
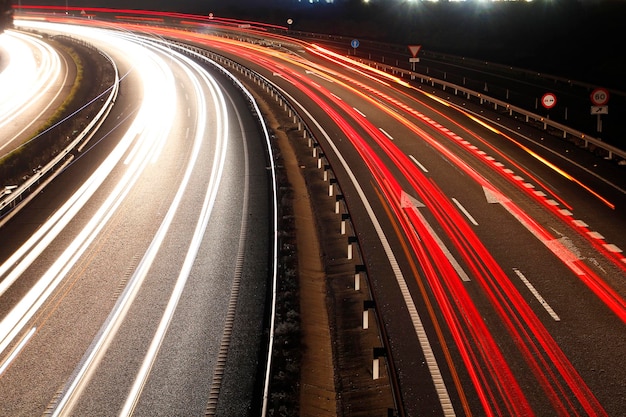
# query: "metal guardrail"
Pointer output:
{"type": "Point", "coordinates": [588, 142]}
{"type": "Point", "coordinates": [12, 196]}
{"type": "Point", "coordinates": [608, 151]}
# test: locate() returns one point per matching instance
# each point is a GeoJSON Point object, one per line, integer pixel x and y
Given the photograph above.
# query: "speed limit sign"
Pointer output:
{"type": "Point", "coordinates": [599, 97]}
{"type": "Point", "coordinates": [548, 100]}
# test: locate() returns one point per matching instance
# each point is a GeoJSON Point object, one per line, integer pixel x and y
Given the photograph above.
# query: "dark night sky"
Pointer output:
{"type": "Point", "coordinates": [169, 5]}
{"type": "Point", "coordinates": [582, 39]}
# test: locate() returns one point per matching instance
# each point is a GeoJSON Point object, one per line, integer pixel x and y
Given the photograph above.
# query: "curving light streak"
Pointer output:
{"type": "Point", "coordinates": [470, 250]}
{"type": "Point", "coordinates": [201, 226]}
{"type": "Point", "coordinates": [604, 292]}
{"type": "Point", "coordinates": [363, 69]}
{"type": "Point", "coordinates": [33, 70]}
{"type": "Point", "coordinates": [109, 329]}
{"type": "Point", "coordinates": [613, 301]}
{"type": "Point", "coordinates": [153, 101]}
{"type": "Point", "coordinates": [430, 359]}
{"type": "Point", "coordinates": [438, 204]}
{"type": "Point", "coordinates": [609, 251]}
{"type": "Point", "coordinates": [492, 277]}
{"type": "Point", "coordinates": [474, 253]}
{"type": "Point", "coordinates": [386, 180]}
{"type": "Point", "coordinates": [540, 366]}
{"type": "Point", "coordinates": [149, 15]}
{"type": "Point", "coordinates": [137, 135]}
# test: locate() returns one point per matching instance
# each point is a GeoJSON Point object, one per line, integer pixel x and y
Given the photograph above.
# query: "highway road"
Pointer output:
{"type": "Point", "coordinates": [121, 283]}
{"type": "Point", "coordinates": [493, 249]}
{"type": "Point", "coordinates": [477, 223]}
{"type": "Point", "coordinates": [494, 252]}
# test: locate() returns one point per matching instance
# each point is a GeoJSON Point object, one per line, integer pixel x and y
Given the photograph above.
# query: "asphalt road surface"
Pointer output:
{"type": "Point", "coordinates": [493, 251]}
{"type": "Point", "coordinates": [125, 280]}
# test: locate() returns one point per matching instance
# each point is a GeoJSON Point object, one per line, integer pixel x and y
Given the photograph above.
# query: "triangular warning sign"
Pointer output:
{"type": "Point", "coordinates": [415, 49]}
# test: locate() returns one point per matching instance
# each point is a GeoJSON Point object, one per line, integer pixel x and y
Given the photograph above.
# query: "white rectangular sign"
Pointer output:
{"type": "Point", "coordinates": [599, 109]}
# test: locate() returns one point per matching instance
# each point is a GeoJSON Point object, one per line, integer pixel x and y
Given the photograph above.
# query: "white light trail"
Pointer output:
{"type": "Point", "coordinates": [207, 208]}
{"type": "Point", "coordinates": [33, 70]}
{"type": "Point", "coordinates": [100, 344]}
{"type": "Point", "coordinates": [154, 100]}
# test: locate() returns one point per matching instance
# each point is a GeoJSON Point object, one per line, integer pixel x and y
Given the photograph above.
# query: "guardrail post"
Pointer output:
{"type": "Point", "coordinates": [378, 352]}
{"type": "Point", "coordinates": [338, 199]}
{"type": "Point", "coordinates": [351, 240]}
{"type": "Point", "coordinates": [319, 160]}
{"type": "Point", "coordinates": [331, 183]}
{"type": "Point", "coordinates": [344, 218]}
{"type": "Point", "coordinates": [367, 304]}
{"type": "Point", "coordinates": [357, 276]}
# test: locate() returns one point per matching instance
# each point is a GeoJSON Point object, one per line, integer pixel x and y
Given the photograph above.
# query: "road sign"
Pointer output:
{"type": "Point", "coordinates": [599, 97]}
{"type": "Point", "coordinates": [414, 49]}
{"type": "Point", "coordinates": [548, 100]}
{"type": "Point", "coordinates": [599, 109]}
{"type": "Point", "coordinates": [354, 43]}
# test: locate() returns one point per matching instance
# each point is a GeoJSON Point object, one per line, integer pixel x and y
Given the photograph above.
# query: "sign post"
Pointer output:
{"type": "Point", "coordinates": [414, 49]}
{"type": "Point", "coordinates": [548, 100]}
{"type": "Point", "coordinates": [599, 99]}
{"type": "Point", "coordinates": [354, 44]}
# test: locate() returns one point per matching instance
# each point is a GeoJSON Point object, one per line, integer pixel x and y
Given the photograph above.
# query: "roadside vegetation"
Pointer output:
{"type": "Point", "coordinates": [287, 354]}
